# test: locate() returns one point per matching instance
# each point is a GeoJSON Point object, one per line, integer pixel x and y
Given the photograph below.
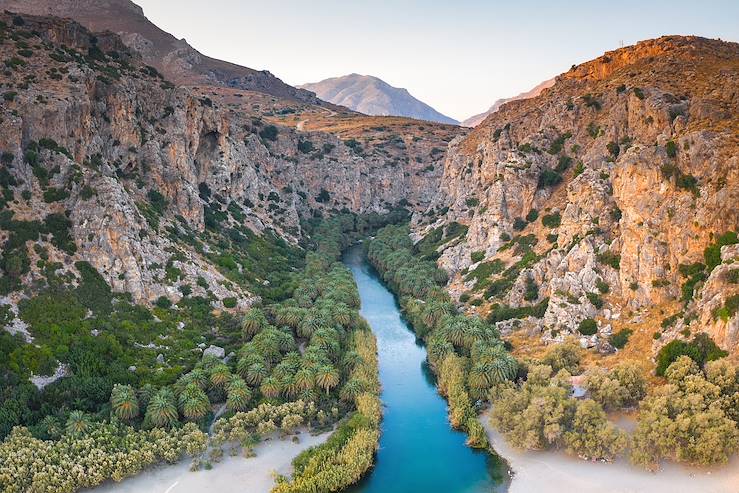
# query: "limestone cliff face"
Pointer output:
{"type": "Point", "coordinates": [630, 166]}
{"type": "Point", "coordinates": [135, 161]}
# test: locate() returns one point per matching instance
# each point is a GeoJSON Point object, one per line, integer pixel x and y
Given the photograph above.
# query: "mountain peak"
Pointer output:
{"type": "Point", "coordinates": [371, 95]}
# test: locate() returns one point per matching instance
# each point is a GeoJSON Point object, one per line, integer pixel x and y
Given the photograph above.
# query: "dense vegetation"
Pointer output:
{"type": "Point", "coordinates": [308, 360]}
{"type": "Point", "coordinates": [466, 353]}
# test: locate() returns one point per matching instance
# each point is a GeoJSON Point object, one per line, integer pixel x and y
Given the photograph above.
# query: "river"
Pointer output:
{"type": "Point", "coordinates": [419, 451]}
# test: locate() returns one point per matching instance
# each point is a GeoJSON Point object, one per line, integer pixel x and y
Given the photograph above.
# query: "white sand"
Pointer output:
{"type": "Point", "coordinates": [556, 472]}
{"type": "Point", "coordinates": [231, 475]}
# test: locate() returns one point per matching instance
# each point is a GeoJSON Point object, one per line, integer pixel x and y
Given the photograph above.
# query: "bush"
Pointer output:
{"type": "Point", "coordinates": [477, 256]}
{"type": "Point", "coordinates": [588, 327]}
{"type": "Point", "coordinates": [505, 312]}
{"type": "Point", "coordinates": [549, 178]}
{"type": "Point", "coordinates": [701, 350]}
{"type": "Point", "coordinates": [532, 215]}
{"type": "Point", "coordinates": [671, 149]}
{"type": "Point", "coordinates": [519, 224]}
{"type": "Point", "coordinates": [595, 300]}
{"type": "Point", "coordinates": [305, 146]}
{"type": "Point", "coordinates": [163, 302]}
{"type": "Point", "coordinates": [621, 338]}
{"type": "Point", "coordinates": [269, 133]}
{"type": "Point", "coordinates": [609, 258]}
{"type": "Point", "coordinates": [551, 220]}
{"type": "Point", "coordinates": [229, 302]}
{"type": "Point", "coordinates": [712, 254]}
{"type": "Point", "coordinates": [532, 290]}
{"type": "Point", "coordinates": [578, 169]}
{"type": "Point", "coordinates": [613, 148]}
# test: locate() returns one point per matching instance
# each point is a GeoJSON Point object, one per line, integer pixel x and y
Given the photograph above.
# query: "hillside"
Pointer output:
{"type": "Point", "coordinates": [373, 96]}
{"type": "Point", "coordinates": [608, 200]}
{"type": "Point", "coordinates": [475, 120]}
{"type": "Point", "coordinates": [175, 58]}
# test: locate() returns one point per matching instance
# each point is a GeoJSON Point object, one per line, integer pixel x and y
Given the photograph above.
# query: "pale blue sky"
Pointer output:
{"type": "Point", "coordinates": [458, 56]}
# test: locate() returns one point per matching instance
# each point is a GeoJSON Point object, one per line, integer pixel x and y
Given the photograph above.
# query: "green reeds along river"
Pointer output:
{"type": "Point", "coordinates": [419, 451]}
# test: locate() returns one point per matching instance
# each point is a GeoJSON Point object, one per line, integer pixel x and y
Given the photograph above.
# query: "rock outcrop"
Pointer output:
{"type": "Point", "coordinates": [140, 166]}
{"type": "Point", "coordinates": [615, 180]}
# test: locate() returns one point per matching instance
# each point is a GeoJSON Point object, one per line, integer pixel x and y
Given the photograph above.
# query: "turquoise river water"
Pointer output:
{"type": "Point", "coordinates": [419, 451]}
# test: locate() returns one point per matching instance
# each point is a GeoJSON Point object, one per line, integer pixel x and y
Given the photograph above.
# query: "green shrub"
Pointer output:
{"type": "Point", "coordinates": [305, 146]}
{"type": "Point", "coordinates": [588, 327]}
{"type": "Point", "coordinates": [712, 254]}
{"type": "Point", "coordinates": [519, 224]}
{"type": "Point", "coordinates": [602, 286]}
{"type": "Point", "coordinates": [621, 338]}
{"type": "Point", "coordinates": [595, 299]}
{"type": "Point", "coordinates": [532, 215]}
{"type": "Point", "coordinates": [701, 350]}
{"type": "Point", "coordinates": [472, 202]}
{"type": "Point", "coordinates": [638, 93]}
{"type": "Point", "coordinates": [269, 133]}
{"type": "Point", "coordinates": [52, 194]}
{"type": "Point", "coordinates": [549, 178]}
{"type": "Point", "coordinates": [163, 302]}
{"type": "Point", "coordinates": [563, 164]}
{"type": "Point", "coordinates": [613, 148]}
{"type": "Point", "coordinates": [504, 312]}
{"type": "Point", "coordinates": [609, 258]}
{"type": "Point", "coordinates": [578, 169]}
{"type": "Point", "coordinates": [532, 290]}
{"type": "Point", "coordinates": [477, 256]}
{"type": "Point", "coordinates": [551, 220]}
{"type": "Point", "coordinates": [229, 302]}
{"type": "Point", "coordinates": [671, 149]}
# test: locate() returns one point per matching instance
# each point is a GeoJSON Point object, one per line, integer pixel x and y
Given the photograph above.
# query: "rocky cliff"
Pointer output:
{"type": "Point", "coordinates": [105, 160]}
{"type": "Point", "coordinates": [610, 196]}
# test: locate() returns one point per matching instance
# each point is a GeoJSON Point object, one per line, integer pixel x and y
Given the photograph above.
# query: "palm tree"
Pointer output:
{"type": "Point", "coordinates": [161, 412]}
{"type": "Point", "coordinates": [52, 427]}
{"type": "Point", "coordinates": [304, 379]}
{"type": "Point", "coordinates": [124, 402]}
{"type": "Point", "coordinates": [290, 316]}
{"type": "Point", "coordinates": [270, 388]}
{"type": "Point", "coordinates": [433, 311]}
{"type": "Point", "coordinates": [194, 404]}
{"type": "Point", "coordinates": [256, 373]}
{"type": "Point", "coordinates": [220, 375]}
{"type": "Point", "coordinates": [343, 315]}
{"type": "Point", "coordinates": [351, 390]}
{"type": "Point", "coordinates": [308, 326]}
{"type": "Point", "coordinates": [290, 388]}
{"type": "Point", "coordinates": [456, 330]}
{"type": "Point", "coordinates": [254, 320]}
{"type": "Point", "coordinates": [77, 423]}
{"type": "Point", "coordinates": [145, 393]}
{"type": "Point", "coordinates": [327, 377]}
{"type": "Point", "coordinates": [239, 395]}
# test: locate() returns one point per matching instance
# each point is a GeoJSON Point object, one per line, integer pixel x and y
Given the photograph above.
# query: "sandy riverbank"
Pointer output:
{"type": "Point", "coordinates": [231, 475]}
{"type": "Point", "coordinates": [556, 472]}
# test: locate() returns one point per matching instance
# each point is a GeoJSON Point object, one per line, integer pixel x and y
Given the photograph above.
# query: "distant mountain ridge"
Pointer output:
{"type": "Point", "coordinates": [373, 96]}
{"type": "Point", "coordinates": [474, 121]}
{"type": "Point", "coordinates": [175, 58]}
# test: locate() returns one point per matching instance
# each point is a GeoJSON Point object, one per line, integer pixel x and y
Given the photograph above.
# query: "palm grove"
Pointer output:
{"type": "Point", "coordinates": [307, 361]}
